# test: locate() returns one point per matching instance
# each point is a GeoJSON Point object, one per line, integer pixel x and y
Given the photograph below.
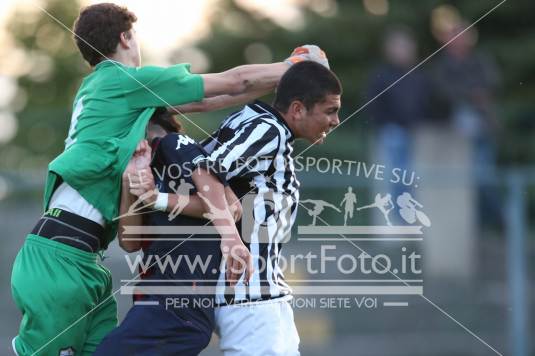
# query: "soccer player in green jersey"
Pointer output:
{"type": "Point", "coordinates": [64, 294]}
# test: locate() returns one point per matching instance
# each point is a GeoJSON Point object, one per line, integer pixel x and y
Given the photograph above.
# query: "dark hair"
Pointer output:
{"type": "Point", "coordinates": [308, 82]}
{"type": "Point", "coordinates": [166, 120]}
{"type": "Point", "coordinates": [98, 29]}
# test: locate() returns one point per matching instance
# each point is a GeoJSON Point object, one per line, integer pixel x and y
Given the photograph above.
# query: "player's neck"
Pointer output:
{"type": "Point", "coordinates": [124, 58]}
{"type": "Point", "coordinates": [290, 123]}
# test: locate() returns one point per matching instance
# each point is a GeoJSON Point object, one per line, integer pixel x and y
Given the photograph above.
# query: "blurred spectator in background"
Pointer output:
{"type": "Point", "coordinates": [466, 81]}
{"type": "Point", "coordinates": [397, 111]}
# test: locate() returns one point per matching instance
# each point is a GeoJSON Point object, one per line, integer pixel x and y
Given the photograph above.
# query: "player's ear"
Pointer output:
{"type": "Point", "coordinates": [297, 110]}
{"type": "Point", "coordinates": [124, 39]}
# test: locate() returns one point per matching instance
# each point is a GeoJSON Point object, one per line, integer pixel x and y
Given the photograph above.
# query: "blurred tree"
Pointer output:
{"type": "Point", "coordinates": [348, 34]}
{"type": "Point", "coordinates": [52, 71]}
{"type": "Point", "coordinates": [351, 35]}
{"type": "Point", "coordinates": [350, 31]}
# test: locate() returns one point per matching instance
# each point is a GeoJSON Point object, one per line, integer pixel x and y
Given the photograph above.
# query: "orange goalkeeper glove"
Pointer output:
{"type": "Point", "coordinates": [308, 53]}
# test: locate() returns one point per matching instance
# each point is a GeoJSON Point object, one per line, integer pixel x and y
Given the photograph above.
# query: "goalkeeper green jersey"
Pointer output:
{"type": "Point", "coordinates": [110, 113]}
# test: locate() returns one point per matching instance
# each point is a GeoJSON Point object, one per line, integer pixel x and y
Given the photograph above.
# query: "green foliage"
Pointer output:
{"type": "Point", "coordinates": [54, 72]}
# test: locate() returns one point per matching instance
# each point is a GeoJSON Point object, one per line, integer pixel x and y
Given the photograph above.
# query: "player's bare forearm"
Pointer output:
{"type": "Point", "coordinates": [237, 257]}
{"type": "Point", "coordinates": [215, 202]}
{"type": "Point", "coordinates": [234, 203]}
{"type": "Point", "coordinates": [194, 208]}
{"type": "Point", "coordinates": [211, 189]}
{"type": "Point", "coordinates": [258, 77]}
{"type": "Point", "coordinates": [221, 102]}
{"type": "Point", "coordinates": [127, 219]}
{"type": "Point", "coordinates": [244, 79]}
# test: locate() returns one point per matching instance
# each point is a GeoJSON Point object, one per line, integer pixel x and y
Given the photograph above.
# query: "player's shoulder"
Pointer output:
{"type": "Point", "coordinates": [138, 76]}
{"type": "Point", "coordinates": [142, 70]}
{"type": "Point", "coordinates": [252, 114]}
{"type": "Point", "coordinates": [266, 115]}
{"type": "Point", "coordinates": [176, 141]}
{"type": "Point", "coordinates": [178, 147]}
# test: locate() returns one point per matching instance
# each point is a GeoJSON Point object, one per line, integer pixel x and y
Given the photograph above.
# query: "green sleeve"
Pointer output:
{"type": "Point", "coordinates": [152, 86]}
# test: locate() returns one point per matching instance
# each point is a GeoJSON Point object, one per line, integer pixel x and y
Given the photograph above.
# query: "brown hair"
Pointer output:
{"type": "Point", "coordinates": [98, 29]}
{"type": "Point", "coordinates": [166, 120]}
{"type": "Point", "coordinates": [308, 82]}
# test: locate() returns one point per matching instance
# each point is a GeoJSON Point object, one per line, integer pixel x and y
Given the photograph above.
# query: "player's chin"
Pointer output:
{"type": "Point", "coordinates": [320, 139]}
{"type": "Point", "coordinates": [317, 139]}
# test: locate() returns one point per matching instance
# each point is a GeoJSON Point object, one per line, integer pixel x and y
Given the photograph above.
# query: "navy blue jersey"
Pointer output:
{"type": "Point", "coordinates": [175, 157]}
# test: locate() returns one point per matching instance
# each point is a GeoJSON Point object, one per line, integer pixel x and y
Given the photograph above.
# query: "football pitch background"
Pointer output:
{"type": "Point", "coordinates": [436, 255]}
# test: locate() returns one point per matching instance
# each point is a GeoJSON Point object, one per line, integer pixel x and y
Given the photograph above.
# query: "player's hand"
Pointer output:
{"type": "Point", "coordinates": [142, 155]}
{"type": "Point", "coordinates": [140, 160]}
{"type": "Point", "coordinates": [142, 186]}
{"type": "Point", "coordinates": [138, 175]}
{"type": "Point", "coordinates": [237, 259]}
{"type": "Point", "coordinates": [308, 53]}
{"type": "Point", "coordinates": [234, 204]}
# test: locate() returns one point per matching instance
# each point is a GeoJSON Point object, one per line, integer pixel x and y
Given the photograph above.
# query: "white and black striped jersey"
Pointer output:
{"type": "Point", "coordinates": [252, 150]}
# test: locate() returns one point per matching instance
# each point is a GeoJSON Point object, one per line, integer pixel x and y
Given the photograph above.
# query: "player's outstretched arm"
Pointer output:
{"type": "Point", "coordinates": [242, 79]}
{"type": "Point", "coordinates": [244, 83]}
{"type": "Point", "coordinates": [220, 102]}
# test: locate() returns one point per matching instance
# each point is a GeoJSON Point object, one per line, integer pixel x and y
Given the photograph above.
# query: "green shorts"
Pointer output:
{"type": "Point", "coordinates": [65, 298]}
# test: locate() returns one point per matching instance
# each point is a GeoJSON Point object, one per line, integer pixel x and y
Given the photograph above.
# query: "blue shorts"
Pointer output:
{"type": "Point", "coordinates": [149, 330]}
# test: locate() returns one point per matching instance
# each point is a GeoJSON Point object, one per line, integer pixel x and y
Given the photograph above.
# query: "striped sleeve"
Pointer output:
{"type": "Point", "coordinates": [249, 153]}
{"type": "Point", "coordinates": [210, 142]}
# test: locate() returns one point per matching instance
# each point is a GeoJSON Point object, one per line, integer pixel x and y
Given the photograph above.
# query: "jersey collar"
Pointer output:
{"type": "Point", "coordinates": [107, 62]}
{"type": "Point", "coordinates": [272, 111]}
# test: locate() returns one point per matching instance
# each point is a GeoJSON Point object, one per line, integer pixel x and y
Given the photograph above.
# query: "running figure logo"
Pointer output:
{"type": "Point", "coordinates": [350, 199]}
{"type": "Point", "coordinates": [318, 207]}
{"type": "Point", "coordinates": [384, 204]}
{"type": "Point", "coordinates": [183, 192]}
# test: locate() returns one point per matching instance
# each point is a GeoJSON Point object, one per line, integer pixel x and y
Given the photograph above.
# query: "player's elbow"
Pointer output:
{"type": "Point", "coordinates": [129, 246]}
{"type": "Point", "coordinates": [129, 249]}
{"type": "Point", "coordinates": [240, 84]}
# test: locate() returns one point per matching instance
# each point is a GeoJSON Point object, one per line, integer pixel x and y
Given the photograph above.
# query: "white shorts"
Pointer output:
{"type": "Point", "coordinates": [259, 328]}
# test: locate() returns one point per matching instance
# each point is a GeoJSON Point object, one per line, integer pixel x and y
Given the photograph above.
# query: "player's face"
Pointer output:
{"type": "Point", "coordinates": [321, 119]}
